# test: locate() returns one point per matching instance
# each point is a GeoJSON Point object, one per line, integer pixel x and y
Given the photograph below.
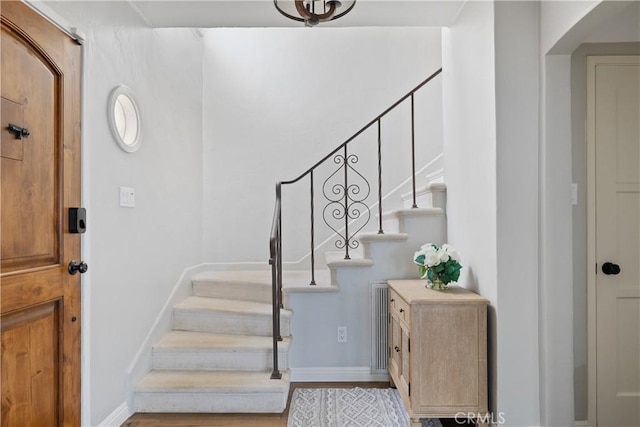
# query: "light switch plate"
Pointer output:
{"type": "Point", "coordinates": [127, 197]}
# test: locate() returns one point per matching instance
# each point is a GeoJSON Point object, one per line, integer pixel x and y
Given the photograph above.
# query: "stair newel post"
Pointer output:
{"type": "Point", "coordinates": [380, 230]}
{"type": "Point", "coordinates": [275, 374]}
{"type": "Point", "coordinates": [346, 205]}
{"type": "Point", "coordinates": [274, 247]}
{"type": "Point", "coordinates": [313, 257]}
{"type": "Point", "coordinates": [413, 155]}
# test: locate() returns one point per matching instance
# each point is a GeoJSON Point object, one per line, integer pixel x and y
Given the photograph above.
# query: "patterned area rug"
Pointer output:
{"type": "Point", "coordinates": [350, 407]}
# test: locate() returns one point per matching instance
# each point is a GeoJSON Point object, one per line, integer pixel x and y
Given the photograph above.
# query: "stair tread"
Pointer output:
{"type": "Point", "coordinates": [170, 381]}
{"type": "Point", "coordinates": [206, 304]}
{"type": "Point", "coordinates": [290, 278]}
{"type": "Point", "coordinates": [412, 212]}
{"type": "Point", "coordinates": [188, 340]}
{"type": "Point", "coordinates": [258, 278]}
{"type": "Point", "coordinates": [385, 237]}
{"type": "Point", "coordinates": [336, 259]}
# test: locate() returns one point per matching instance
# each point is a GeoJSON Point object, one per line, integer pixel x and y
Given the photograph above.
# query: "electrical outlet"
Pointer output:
{"type": "Point", "coordinates": [342, 334]}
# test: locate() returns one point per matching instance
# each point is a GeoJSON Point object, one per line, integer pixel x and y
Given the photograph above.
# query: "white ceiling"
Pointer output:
{"type": "Point", "coordinates": [262, 13]}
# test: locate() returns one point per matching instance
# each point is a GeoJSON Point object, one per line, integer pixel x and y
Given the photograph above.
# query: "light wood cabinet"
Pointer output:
{"type": "Point", "coordinates": [438, 350]}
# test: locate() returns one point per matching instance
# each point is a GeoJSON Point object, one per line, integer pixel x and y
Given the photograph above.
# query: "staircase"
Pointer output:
{"type": "Point", "coordinates": [218, 357]}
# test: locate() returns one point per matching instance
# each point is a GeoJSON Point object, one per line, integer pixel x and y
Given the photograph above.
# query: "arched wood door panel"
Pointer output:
{"type": "Point", "coordinates": [40, 170]}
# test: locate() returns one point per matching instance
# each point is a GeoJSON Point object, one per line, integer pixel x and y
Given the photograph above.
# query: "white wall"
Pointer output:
{"type": "Point", "coordinates": [557, 17]}
{"type": "Point", "coordinates": [491, 87]}
{"type": "Point", "coordinates": [469, 146]}
{"type": "Point", "coordinates": [135, 256]}
{"type": "Point", "coordinates": [517, 65]}
{"type": "Point", "coordinates": [623, 27]}
{"type": "Point", "coordinates": [278, 100]}
{"type": "Point", "coordinates": [556, 349]}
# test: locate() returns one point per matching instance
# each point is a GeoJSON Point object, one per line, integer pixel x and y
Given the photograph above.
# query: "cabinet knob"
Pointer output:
{"type": "Point", "coordinates": [392, 300]}
{"type": "Point", "coordinates": [402, 310]}
{"type": "Point", "coordinates": [397, 348]}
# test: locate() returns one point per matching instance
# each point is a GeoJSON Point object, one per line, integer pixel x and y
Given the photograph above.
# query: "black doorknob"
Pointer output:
{"type": "Point", "coordinates": [610, 268]}
{"type": "Point", "coordinates": [75, 267]}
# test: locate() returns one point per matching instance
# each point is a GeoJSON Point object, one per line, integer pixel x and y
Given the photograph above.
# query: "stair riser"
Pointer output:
{"type": "Point", "coordinates": [236, 291]}
{"type": "Point", "coordinates": [399, 256]}
{"type": "Point", "coordinates": [390, 225]}
{"type": "Point", "coordinates": [422, 200]}
{"type": "Point", "coordinates": [211, 402]}
{"type": "Point", "coordinates": [439, 200]}
{"type": "Point", "coordinates": [218, 360]}
{"type": "Point", "coordinates": [227, 323]}
{"type": "Point", "coordinates": [428, 199]}
{"type": "Point", "coordinates": [424, 229]}
{"type": "Point", "coordinates": [371, 249]}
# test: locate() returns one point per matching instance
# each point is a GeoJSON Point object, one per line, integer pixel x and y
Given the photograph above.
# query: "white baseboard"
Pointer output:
{"type": "Point", "coordinates": [117, 417]}
{"type": "Point", "coordinates": [436, 177]}
{"type": "Point", "coordinates": [336, 374]}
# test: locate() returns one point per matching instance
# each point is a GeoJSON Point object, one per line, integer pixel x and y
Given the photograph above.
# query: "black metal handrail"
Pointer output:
{"type": "Point", "coordinates": [345, 202]}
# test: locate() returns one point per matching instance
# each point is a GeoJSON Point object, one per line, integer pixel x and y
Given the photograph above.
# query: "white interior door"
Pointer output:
{"type": "Point", "coordinates": [614, 116]}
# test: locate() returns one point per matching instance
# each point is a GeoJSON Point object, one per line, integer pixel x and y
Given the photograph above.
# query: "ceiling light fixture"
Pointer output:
{"type": "Point", "coordinates": [312, 12]}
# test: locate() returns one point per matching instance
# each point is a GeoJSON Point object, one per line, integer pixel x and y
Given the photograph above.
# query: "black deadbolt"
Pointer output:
{"type": "Point", "coordinates": [77, 220]}
{"type": "Point", "coordinates": [609, 268]}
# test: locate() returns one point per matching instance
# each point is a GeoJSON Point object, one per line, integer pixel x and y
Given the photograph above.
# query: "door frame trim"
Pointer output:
{"type": "Point", "coordinates": [592, 63]}
{"type": "Point", "coordinates": [54, 18]}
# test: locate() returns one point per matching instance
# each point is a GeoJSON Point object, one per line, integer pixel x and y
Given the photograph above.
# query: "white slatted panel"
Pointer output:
{"type": "Point", "coordinates": [379, 328]}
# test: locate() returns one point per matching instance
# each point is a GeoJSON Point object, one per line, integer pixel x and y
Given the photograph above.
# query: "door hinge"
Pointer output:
{"type": "Point", "coordinates": [409, 346]}
{"type": "Point", "coordinates": [389, 316]}
{"type": "Point", "coordinates": [389, 348]}
{"type": "Point", "coordinates": [596, 268]}
{"type": "Point", "coordinates": [409, 389]}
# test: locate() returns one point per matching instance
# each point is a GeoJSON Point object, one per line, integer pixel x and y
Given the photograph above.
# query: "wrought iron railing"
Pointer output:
{"type": "Point", "coordinates": [345, 203]}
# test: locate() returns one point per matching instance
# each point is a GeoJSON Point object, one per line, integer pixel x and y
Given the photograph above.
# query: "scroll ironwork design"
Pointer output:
{"type": "Point", "coordinates": [346, 191]}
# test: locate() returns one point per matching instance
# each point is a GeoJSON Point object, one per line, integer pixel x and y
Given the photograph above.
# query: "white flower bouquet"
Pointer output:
{"type": "Point", "coordinates": [440, 265]}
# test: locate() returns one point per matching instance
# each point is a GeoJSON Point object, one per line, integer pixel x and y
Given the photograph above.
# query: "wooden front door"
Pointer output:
{"type": "Point", "coordinates": [40, 169]}
{"type": "Point", "coordinates": [615, 113]}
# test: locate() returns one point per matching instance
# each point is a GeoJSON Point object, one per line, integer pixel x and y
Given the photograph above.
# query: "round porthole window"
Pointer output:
{"type": "Point", "coordinates": [124, 119]}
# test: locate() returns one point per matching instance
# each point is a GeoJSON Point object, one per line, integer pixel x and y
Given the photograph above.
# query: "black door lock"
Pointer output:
{"type": "Point", "coordinates": [77, 220]}
{"type": "Point", "coordinates": [18, 131]}
{"type": "Point", "coordinates": [609, 268]}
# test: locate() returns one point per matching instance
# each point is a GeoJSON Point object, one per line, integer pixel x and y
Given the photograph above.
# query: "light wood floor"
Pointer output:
{"type": "Point", "coordinates": [244, 420]}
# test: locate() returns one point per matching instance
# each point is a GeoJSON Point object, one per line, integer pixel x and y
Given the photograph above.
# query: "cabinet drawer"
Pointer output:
{"type": "Point", "coordinates": [399, 307]}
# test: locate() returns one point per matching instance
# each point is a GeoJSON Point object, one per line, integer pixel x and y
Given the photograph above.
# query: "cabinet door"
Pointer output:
{"type": "Point", "coordinates": [395, 341]}
{"type": "Point", "coordinates": [399, 360]}
{"type": "Point", "coordinates": [405, 373]}
{"type": "Point", "coordinates": [449, 365]}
